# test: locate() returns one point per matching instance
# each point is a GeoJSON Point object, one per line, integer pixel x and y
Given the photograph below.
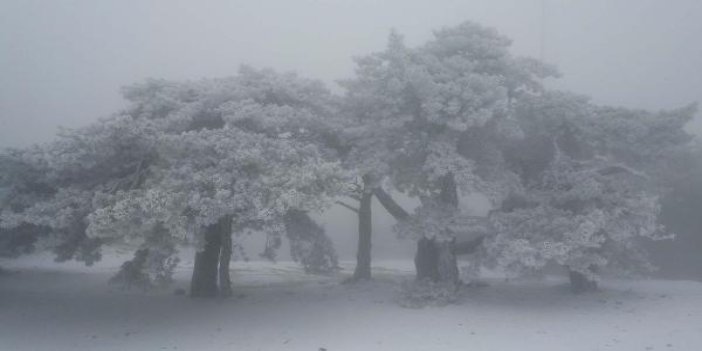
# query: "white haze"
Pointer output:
{"type": "Point", "coordinates": [62, 61]}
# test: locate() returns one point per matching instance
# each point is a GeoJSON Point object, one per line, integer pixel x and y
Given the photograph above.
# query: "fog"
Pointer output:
{"type": "Point", "coordinates": [539, 232]}
{"type": "Point", "coordinates": [62, 62]}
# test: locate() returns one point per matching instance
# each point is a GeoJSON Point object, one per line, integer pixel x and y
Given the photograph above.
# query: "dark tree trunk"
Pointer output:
{"type": "Point", "coordinates": [426, 258]}
{"type": "Point", "coordinates": [425, 249]}
{"type": "Point", "coordinates": [436, 260]}
{"type": "Point", "coordinates": [433, 260]}
{"type": "Point", "coordinates": [449, 193]}
{"type": "Point", "coordinates": [365, 230]}
{"type": "Point", "coordinates": [225, 256]}
{"type": "Point", "coordinates": [363, 255]}
{"type": "Point", "coordinates": [212, 263]}
{"type": "Point", "coordinates": [581, 283]}
{"type": "Point", "coordinates": [446, 263]}
{"type": "Point", "coordinates": [468, 247]}
{"type": "Point", "coordinates": [204, 279]}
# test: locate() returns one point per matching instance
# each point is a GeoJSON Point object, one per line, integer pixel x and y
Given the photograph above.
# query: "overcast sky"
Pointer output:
{"type": "Point", "coordinates": [62, 62]}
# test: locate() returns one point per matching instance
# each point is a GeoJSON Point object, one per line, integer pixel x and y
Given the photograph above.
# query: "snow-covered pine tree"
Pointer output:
{"type": "Point", "coordinates": [198, 159]}
{"type": "Point", "coordinates": [414, 105]}
{"type": "Point", "coordinates": [588, 187]}
{"type": "Point", "coordinates": [50, 188]}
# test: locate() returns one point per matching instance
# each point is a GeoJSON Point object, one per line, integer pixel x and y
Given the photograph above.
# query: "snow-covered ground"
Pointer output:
{"type": "Point", "coordinates": [44, 306]}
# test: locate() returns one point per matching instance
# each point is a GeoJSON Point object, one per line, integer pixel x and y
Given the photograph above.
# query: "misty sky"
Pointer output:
{"type": "Point", "coordinates": [62, 62]}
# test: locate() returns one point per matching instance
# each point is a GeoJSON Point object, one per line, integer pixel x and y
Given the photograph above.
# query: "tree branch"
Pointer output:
{"type": "Point", "coordinates": [348, 206]}
{"type": "Point", "coordinates": [390, 205]}
{"type": "Point", "coordinates": [354, 196]}
{"type": "Point", "coordinates": [137, 175]}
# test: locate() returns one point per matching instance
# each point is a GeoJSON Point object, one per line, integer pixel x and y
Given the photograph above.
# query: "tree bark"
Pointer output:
{"type": "Point", "coordinates": [581, 283]}
{"type": "Point", "coordinates": [425, 260]}
{"type": "Point", "coordinates": [225, 256]}
{"type": "Point", "coordinates": [365, 230]}
{"type": "Point", "coordinates": [211, 269]}
{"type": "Point", "coordinates": [204, 278]}
{"type": "Point", "coordinates": [363, 255]}
{"type": "Point", "coordinates": [425, 257]}
{"type": "Point", "coordinates": [446, 263]}
{"type": "Point", "coordinates": [449, 192]}
{"type": "Point", "coordinates": [468, 247]}
{"type": "Point", "coordinates": [433, 260]}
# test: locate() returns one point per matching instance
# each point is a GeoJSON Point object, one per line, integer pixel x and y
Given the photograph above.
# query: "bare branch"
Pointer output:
{"type": "Point", "coordinates": [348, 206]}
{"type": "Point", "coordinates": [354, 196]}
{"type": "Point", "coordinates": [390, 205]}
{"type": "Point", "coordinates": [137, 175]}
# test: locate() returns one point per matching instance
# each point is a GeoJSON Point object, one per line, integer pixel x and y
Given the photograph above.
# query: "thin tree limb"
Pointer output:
{"type": "Point", "coordinates": [137, 175]}
{"type": "Point", "coordinates": [390, 204]}
{"type": "Point", "coordinates": [354, 196]}
{"type": "Point", "coordinates": [348, 206]}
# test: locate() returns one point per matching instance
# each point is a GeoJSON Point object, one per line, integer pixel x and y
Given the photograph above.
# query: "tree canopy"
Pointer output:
{"type": "Point", "coordinates": [570, 182]}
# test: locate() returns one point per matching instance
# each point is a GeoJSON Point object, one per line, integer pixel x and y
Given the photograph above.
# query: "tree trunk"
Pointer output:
{"type": "Point", "coordinates": [581, 283]}
{"type": "Point", "coordinates": [468, 247]}
{"type": "Point", "coordinates": [212, 263]}
{"type": "Point", "coordinates": [204, 279]}
{"type": "Point", "coordinates": [225, 256]}
{"type": "Point", "coordinates": [425, 260]}
{"type": "Point", "coordinates": [449, 192]}
{"type": "Point", "coordinates": [365, 230]}
{"type": "Point", "coordinates": [433, 260]}
{"type": "Point", "coordinates": [446, 263]}
{"type": "Point", "coordinates": [363, 255]}
{"type": "Point", "coordinates": [436, 260]}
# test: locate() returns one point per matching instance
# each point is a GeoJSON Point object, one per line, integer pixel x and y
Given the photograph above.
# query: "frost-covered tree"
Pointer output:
{"type": "Point", "coordinates": [197, 160]}
{"type": "Point", "coordinates": [212, 182]}
{"type": "Point", "coordinates": [680, 208]}
{"type": "Point", "coordinates": [254, 139]}
{"type": "Point", "coordinates": [587, 189]}
{"type": "Point", "coordinates": [414, 105]}
{"type": "Point", "coordinates": [50, 188]}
